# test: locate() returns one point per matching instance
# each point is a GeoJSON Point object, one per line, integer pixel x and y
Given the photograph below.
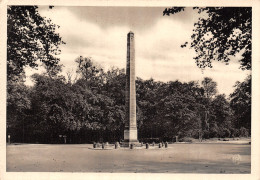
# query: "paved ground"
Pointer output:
{"type": "Point", "coordinates": [178, 158]}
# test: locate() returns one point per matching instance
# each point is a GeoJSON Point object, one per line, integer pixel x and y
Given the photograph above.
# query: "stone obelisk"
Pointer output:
{"type": "Point", "coordinates": [130, 132]}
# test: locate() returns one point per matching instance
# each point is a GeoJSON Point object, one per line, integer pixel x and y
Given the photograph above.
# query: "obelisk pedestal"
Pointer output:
{"type": "Point", "coordinates": [130, 131]}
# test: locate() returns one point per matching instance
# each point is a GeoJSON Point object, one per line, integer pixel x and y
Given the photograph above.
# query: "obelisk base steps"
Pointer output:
{"type": "Point", "coordinates": [130, 137]}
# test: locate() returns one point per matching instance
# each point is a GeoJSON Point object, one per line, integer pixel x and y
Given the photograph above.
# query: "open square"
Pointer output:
{"type": "Point", "coordinates": [231, 158]}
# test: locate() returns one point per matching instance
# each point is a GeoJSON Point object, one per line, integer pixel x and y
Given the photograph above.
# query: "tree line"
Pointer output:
{"type": "Point", "coordinates": [92, 108]}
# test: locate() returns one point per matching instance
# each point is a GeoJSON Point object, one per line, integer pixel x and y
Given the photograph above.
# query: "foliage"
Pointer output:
{"type": "Point", "coordinates": [221, 32]}
{"type": "Point", "coordinates": [54, 107]}
{"type": "Point", "coordinates": [30, 38]}
{"type": "Point", "coordinates": [210, 87]}
{"type": "Point", "coordinates": [223, 115]}
{"type": "Point", "coordinates": [241, 103]}
{"type": "Point", "coordinates": [18, 104]}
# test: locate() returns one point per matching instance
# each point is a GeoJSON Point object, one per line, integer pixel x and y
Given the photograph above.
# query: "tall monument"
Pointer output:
{"type": "Point", "coordinates": [130, 132]}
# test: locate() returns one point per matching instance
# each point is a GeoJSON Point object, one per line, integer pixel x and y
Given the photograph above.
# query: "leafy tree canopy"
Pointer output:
{"type": "Point", "coordinates": [241, 103]}
{"type": "Point", "coordinates": [30, 38]}
{"type": "Point", "coordinates": [223, 32]}
{"type": "Point", "coordinates": [210, 87]}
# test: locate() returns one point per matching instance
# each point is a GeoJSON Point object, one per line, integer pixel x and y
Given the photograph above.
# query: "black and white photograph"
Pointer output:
{"type": "Point", "coordinates": [129, 89]}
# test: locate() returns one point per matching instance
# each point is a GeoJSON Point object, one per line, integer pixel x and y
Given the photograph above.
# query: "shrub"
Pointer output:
{"type": "Point", "coordinates": [243, 132]}
{"type": "Point", "coordinates": [186, 139]}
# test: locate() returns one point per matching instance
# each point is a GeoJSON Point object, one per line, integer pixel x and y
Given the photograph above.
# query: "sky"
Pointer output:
{"type": "Point", "coordinates": [101, 33]}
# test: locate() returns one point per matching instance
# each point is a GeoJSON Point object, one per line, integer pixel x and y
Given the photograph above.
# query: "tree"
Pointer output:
{"type": "Point", "coordinates": [107, 99]}
{"type": "Point", "coordinates": [210, 90]}
{"type": "Point", "coordinates": [146, 91]}
{"type": "Point", "coordinates": [30, 38]}
{"type": "Point", "coordinates": [210, 87]}
{"type": "Point", "coordinates": [18, 107]}
{"type": "Point", "coordinates": [240, 101]}
{"type": "Point", "coordinates": [71, 76]}
{"type": "Point", "coordinates": [186, 109]}
{"type": "Point", "coordinates": [223, 32]}
{"type": "Point", "coordinates": [222, 114]}
{"type": "Point", "coordinates": [90, 72]}
{"type": "Point", "coordinates": [114, 85]}
{"type": "Point", "coordinates": [51, 109]}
